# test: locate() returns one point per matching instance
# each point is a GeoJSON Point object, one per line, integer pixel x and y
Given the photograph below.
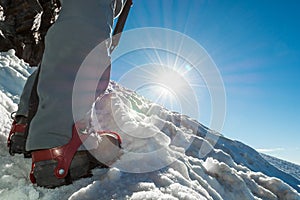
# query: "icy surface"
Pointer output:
{"type": "Point", "coordinates": [166, 155]}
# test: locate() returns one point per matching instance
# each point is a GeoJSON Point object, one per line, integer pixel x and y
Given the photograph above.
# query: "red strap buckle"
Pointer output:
{"type": "Point", "coordinates": [15, 128]}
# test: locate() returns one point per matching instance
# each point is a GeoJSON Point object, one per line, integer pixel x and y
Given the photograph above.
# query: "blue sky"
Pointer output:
{"type": "Point", "coordinates": [256, 47]}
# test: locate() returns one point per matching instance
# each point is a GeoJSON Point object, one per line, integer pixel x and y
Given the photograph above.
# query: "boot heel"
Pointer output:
{"type": "Point", "coordinates": [44, 174]}
{"type": "Point", "coordinates": [16, 140]}
{"type": "Point", "coordinates": [17, 144]}
{"type": "Point", "coordinates": [44, 171]}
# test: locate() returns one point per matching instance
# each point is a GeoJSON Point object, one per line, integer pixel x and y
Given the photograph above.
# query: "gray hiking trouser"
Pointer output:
{"type": "Point", "coordinates": [81, 26]}
{"type": "Point", "coordinates": [25, 96]}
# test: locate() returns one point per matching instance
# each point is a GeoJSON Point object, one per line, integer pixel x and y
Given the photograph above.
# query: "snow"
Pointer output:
{"type": "Point", "coordinates": [288, 167]}
{"type": "Point", "coordinates": [166, 155]}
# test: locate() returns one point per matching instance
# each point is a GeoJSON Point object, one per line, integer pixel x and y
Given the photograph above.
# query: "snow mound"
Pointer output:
{"type": "Point", "coordinates": [166, 155]}
{"type": "Point", "coordinates": [13, 74]}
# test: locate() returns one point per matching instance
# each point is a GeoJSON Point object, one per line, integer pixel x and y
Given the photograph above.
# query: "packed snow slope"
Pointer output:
{"type": "Point", "coordinates": [285, 166]}
{"type": "Point", "coordinates": [166, 155]}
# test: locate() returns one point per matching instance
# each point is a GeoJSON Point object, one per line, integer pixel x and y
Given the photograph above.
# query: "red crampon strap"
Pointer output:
{"type": "Point", "coordinates": [63, 155]}
{"type": "Point", "coordinates": [112, 134]}
{"type": "Point", "coordinates": [15, 128]}
{"type": "Point", "coordinates": [31, 176]}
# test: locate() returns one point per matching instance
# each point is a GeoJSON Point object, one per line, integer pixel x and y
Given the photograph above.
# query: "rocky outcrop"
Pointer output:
{"type": "Point", "coordinates": [24, 24]}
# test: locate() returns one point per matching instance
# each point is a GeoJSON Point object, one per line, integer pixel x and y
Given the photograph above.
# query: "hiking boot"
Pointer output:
{"type": "Point", "coordinates": [16, 141]}
{"type": "Point", "coordinates": [63, 165]}
{"type": "Point", "coordinates": [81, 166]}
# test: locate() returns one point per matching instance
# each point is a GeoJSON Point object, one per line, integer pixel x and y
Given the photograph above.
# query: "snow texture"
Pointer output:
{"type": "Point", "coordinates": [288, 167]}
{"type": "Point", "coordinates": [166, 155]}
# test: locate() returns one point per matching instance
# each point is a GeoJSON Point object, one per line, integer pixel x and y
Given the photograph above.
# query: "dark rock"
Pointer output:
{"type": "Point", "coordinates": [24, 24]}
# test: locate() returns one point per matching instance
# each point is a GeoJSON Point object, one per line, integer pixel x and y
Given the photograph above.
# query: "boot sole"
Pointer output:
{"type": "Point", "coordinates": [18, 146]}
{"type": "Point", "coordinates": [80, 168]}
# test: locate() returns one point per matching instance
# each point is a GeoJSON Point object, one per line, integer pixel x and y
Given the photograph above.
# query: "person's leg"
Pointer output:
{"type": "Point", "coordinates": [81, 26]}
{"type": "Point", "coordinates": [67, 85]}
{"type": "Point", "coordinates": [23, 105]}
{"type": "Point", "coordinates": [18, 133]}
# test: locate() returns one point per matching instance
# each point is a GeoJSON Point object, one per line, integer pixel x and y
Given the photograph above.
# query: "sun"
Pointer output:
{"type": "Point", "coordinates": [170, 79]}
{"type": "Point", "coordinates": [171, 68]}
{"type": "Point", "coordinates": [164, 85]}
{"type": "Point", "coordinates": [166, 79]}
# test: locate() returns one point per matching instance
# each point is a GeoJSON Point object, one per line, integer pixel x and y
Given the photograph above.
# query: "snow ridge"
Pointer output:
{"type": "Point", "coordinates": [283, 165]}
{"type": "Point", "coordinates": [229, 162]}
{"type": "Point", "coordinates": [165, 155]}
